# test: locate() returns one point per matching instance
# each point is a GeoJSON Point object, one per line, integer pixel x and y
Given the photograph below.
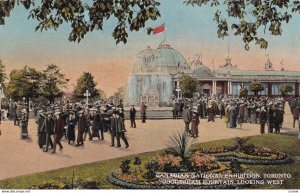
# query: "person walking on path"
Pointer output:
{"type": "Point", "coordinates": [296, 117]}
{"type": "Point", "coordinates": [49, 130]}
{"type": "Point", "coordinates": [187, 117]}
{"type": "Point", "coordinates": [71, 122]}
{"type": "Point", "coordinates": [262, 119]}
{"type": "Point", "coordinates": [58, 131]}
{"type": "Point", "coordinates": [82, 124]}
{"type": "Point", "coordinates": [132, 114]}
{"type": "Point", "coordinates": [143, 109]}
{"type": "Point", "coordinates": [195, 124]}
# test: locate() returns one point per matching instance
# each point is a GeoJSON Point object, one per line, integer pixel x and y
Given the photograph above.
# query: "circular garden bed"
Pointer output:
{"type": "Point", "coordinates": [181, 167]}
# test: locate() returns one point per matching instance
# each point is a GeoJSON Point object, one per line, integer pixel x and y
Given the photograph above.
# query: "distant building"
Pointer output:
{"type": "Point", "coordinates": [156, 73]}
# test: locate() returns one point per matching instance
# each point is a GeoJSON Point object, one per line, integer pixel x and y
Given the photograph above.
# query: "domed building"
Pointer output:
{"type": "Point", "coordinates": [156, 74]}
{"type": "Point", "coordinates": [152, 76]}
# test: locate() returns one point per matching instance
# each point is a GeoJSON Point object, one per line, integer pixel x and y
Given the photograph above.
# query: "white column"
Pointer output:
{"type": "Point", "coordinates": [215, 87]}
{"type": "Point", "coordinates": [228, 92]}
{"type": "Point", "coordinates": [230, 87]}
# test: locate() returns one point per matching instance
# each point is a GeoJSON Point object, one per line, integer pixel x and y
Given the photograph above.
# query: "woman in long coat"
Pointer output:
{"type": "Point", "coordinates": [96, 124]}
{"type": "Point", "coordinates": [82, 124]}
{"type": "Point", "coordinates": [253, 113]}
{"type": "Point", "coordinates": [71, 122]}
{"type": "Point", "coordinates": [241, 114]}
{"type": "Point", "coordinates": [233, 117]}
{"type": "Point", "coordinates": [211, 113]}
{"type": "Point", "coordinates": [246, 114]}
{"type": "Point", "coordinates": [226, 115]}
{"type": "Point", "coordinates": [195, 123]}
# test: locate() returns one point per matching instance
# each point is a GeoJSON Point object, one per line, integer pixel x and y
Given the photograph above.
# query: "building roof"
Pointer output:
{"type": "Point", "coordinates": [261, 73]}
{"type": "Point", "coordinates": [172, 57]}
{"type": "Point", "coordinates": [202, 70]}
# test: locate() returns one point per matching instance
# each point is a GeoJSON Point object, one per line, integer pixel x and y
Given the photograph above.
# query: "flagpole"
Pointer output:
{"type": "Point", "coordinates": [165, 33]}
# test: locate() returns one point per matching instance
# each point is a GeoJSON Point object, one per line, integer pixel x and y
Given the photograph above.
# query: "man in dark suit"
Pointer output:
{"type": "Point", "coordinates": [296, 116]}
{"type": "Point", "coordinates": [82, 124]}
{"type": "Point", "coordinates": [118, 130]}
{"type": "Point", "coordinates": [143, 108]}
{"type": "Point", "coordinates": [58, 131]}
{"type": "Point", "coordinates": [132, 113]}
{"type": "Point", "coordinates": [187, 117]}
{"type": "Point", "coordinates": [49, 130]}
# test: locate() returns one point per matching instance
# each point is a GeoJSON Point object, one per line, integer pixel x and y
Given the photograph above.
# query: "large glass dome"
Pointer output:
{"type": "Point", "coordinates": [172, 57]}
{"type": "Point", "coordinates": [164, 59]}
{"type": "Point", "coordinates": [149, 61]}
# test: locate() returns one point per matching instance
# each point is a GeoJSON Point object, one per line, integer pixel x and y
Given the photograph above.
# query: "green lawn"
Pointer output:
{"type": "Point", "coordinates": [99, 171]}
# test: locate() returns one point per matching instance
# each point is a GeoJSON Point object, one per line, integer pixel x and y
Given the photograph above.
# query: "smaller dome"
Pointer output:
{"type": "Point", "coordinates": [202, 70]}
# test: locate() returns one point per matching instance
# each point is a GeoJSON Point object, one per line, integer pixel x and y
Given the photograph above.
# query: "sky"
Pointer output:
{"type": "Point", "coordinates": [189, 30]}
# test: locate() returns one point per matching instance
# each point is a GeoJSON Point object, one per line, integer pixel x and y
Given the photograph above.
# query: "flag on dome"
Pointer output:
{"type": "Point", "coordinates": [157, 29]}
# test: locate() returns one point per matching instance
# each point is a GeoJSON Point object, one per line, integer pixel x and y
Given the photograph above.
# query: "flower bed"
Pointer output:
{"type": "Point", "coordinates": [168, 170]}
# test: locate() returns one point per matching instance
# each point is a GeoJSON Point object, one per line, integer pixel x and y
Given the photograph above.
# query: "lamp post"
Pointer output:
{"type": "Point", "coordinates": [87, 94]}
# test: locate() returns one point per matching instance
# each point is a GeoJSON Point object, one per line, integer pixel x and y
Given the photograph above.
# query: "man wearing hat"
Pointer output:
{"type": "Point", "coordinates": [132, 113]}
{"type": "Point", "coordinates": [41, 124]}
{"type": "Point", "coordinates": [195, 123]}
{"type": "Point", "coordinates": [24, 124]}
{"type": "Point", "coordinates": [117, 130]}
{"type": "Point", "coordinates": [262, 119]}
{"type": "Point", "coordinates": [143, 109]}
{"type": "Point", "coordinates": [187, 117]}
{"type": "Point", "coordinates": [98, 125]}
{"type": "Point", "coordinates": [71, 122]}
{"type": "Point", "coordinates": [277, 119]}
{"type": "Point", "coordinates": [82, 124]}
{"type": "Point", "coordinates": [58, 131]}
{"type": "Point", "coordinates": [89, 118]}
{"type": "Point", "coordinates": [270, 117]}
{"type": "Point", "coordinates": [49, 130]}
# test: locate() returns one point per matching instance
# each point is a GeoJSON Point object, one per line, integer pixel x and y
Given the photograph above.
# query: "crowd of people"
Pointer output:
{"type": "Point", "coordinates": [235, 112]}
{"type": "Point", "coordinates": [75, 121]}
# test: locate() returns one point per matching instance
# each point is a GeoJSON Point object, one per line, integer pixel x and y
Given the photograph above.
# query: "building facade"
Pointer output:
{"type": "Point", "coordinates": [156, 74]}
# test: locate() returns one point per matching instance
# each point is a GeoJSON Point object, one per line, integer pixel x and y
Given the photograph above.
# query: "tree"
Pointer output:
{"type": "Point", "coordinates": [2, 72]}
{"type": "Point", "coordinates": [187, 85]}
{"type": "Point", "coordinates": [23, 83]}
{"type": "Point", "coordinates": [285, 89]}
{"type": "Point", "coordinates": [256, 87]}
{"type": "Point", "coordinates": [243, 92]}
{"type": "Point", "coordinates": [86, 82]}
{"type": "Point", "coordinates": [119, 94]}
{"type": "Point", "coordinates": [84, 17]}
{"type": "Point", "coordinates": [247, 18]}
{"type": "Point", "coordinates": [52, 83]}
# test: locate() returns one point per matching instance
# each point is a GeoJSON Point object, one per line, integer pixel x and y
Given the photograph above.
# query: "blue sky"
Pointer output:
{"type": "Point", "coordinates": [190, 30]}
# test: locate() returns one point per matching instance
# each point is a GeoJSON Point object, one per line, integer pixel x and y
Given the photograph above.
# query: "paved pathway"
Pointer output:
{"type": "Point", "coordinates": [21, 157]}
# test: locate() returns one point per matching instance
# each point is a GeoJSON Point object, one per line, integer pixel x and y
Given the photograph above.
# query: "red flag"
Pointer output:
{"type": "Point", "coordinates": [159, 29]}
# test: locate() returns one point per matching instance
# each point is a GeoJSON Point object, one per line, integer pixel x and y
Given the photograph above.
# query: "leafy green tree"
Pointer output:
{"type": "Point", "coordinates": [52, 83]}
{"type": "Point", "coordinates": [285, 89]}
{"type": "Point", "coordinates": [187, 85]}
{"type": "Point", "coordinates": [24, 83]}
{"type": "Point", "coordinates": [2, 72]}
{"type": "Point", "coordinates": [243, 92]}
{"type": "Point", "coordinates": [86, 82]}
{"type": "Point", "coordinates": [256, 87]}
{"type": "Point", "coordinates": [86, 17]}
{"type": "Point", "coordinates": [249, 19]}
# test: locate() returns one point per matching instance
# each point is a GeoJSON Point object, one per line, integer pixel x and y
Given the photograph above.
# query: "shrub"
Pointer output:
{"type": "Point", "coordinates": [125, 167]}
